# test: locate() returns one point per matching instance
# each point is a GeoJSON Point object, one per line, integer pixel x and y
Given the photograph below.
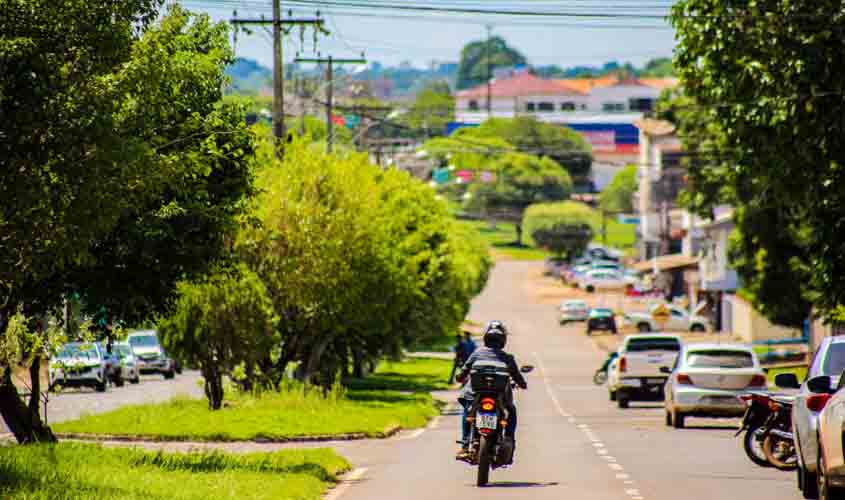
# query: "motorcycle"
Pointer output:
{"type": "Point", "coordinates": [489, 448]}
{"type": "Point", "coordinates": [600, 377]}
{"type": "Point", "coordinates": [754, 421]}
{"type": "Point", "coordinates": [778, 440]}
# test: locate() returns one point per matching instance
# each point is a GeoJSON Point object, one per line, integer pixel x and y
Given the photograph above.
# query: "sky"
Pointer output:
{"type": "Point", "coordinates": [391, 37]}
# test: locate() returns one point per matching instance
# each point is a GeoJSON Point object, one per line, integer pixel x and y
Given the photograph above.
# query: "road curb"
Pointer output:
{"type": "Point", "coordinates": [354, 436]}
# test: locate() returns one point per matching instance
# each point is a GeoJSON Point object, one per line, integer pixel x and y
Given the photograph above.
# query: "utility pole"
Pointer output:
{"type": "Point", "coordinates": [489, 75]}
{"type": "Point", "coordinates": [278, 65]}
{"type": "Point", "coordinates": [330, 91]}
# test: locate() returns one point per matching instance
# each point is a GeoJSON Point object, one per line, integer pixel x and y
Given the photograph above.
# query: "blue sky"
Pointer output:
{"type": "Point", "coordinates": [422, 38]}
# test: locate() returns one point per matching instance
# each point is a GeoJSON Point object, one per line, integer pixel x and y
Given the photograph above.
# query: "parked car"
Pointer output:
{"type": "Point", "coordinates": [150, 355]}
{"type": "Point", "coordinates": [679, 320]}
{"type": "Point", "coordinates": [113, 369]}
{"type": "Point", "coordinates": [830, 464]}
{"type": "Point", "coordinates": [829, 360]}
{"type": "Point", "coordinates": [79, 364]}
{"type": "Point", "coordinates": [128, 363]}
{"type": "Point", "coordinates": [601, 279]}
{"type": "Point", "coordinates": [635, 375]}
{"type": "Point", "coordinates": [573, 310]}
{"type": "Point", "coordinates": [707, 380]}
{"type": "Point", "coordinates": [601, 320]}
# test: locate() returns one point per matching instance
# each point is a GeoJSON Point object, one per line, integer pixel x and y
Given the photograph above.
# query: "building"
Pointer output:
{"type": "Point", "coordinates": [603, 110]}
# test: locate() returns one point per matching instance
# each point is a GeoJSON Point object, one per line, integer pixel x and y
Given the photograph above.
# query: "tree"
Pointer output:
{"type": "Point", "coordinates": [660, 67]}
{"type": "Point", "coordinates": [521, 180]}
{"type": "Point", "coordinates": [531, 136]}
{"type": "Point", "coordinates": [433, 109]}
{"type": "Point", "coordinates": [563, 228]}
{"type": "Point", "coordinates": [123, 154]}
{"type": "Point", "coordinates": [222, 324]}
{"type": "Point", "coordinates": [618, 196]}
{"type": "Point", "coordinates": [770, 85]}
{"type": "Point", "coordinates": [477, 56]}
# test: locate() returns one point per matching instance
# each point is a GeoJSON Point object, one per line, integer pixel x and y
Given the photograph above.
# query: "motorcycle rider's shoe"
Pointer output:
{"type": "Point", "coordinates": [463, 454]}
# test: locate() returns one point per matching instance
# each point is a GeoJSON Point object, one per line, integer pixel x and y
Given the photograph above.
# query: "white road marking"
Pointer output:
{"type": "Point", "coordinates": [622, 476]}
{"type": "Point", "coordinates": [417, 433]}
{"type": "Point", "coordinates": [616, 467]}
{"type": "Point", "coordinates": [345, 483]}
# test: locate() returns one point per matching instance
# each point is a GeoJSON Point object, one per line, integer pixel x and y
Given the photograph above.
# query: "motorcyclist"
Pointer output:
{"type": "Point", "coordinates": [495, 339]}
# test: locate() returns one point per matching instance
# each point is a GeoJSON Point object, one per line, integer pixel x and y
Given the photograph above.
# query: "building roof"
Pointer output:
{"type": "Point", "coordinates": [666, 262]}
{"type": "Point", "coordinates": [654, 127]}
{"type": "Point", "coordinates": [520, 84]}
{"type": "Point", "coordinates": [660, 83]}
{"type": "Point", "coordinates": [585, 85]}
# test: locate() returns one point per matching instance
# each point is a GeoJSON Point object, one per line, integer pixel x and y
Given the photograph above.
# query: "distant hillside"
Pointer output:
{"type": "Point", "coordinates": [248, 77]}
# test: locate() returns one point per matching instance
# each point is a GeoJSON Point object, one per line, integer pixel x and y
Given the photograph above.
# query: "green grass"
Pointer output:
{"type": "Point", "coordinates": [800, 372]}
{"type": "Point", "coordinates": [386, 399]}
{"type": "Point", "coordinates": [443, 343]}
{"type": "Point", "coordinates": [502, 239]}
{"type": "Point", "coordinates": [82, 471]}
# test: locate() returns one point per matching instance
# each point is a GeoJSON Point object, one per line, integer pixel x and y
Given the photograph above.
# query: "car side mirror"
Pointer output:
{"type": "Point", "coordinates": [819, 385]}
{"type": "Point", "coordinates": [666, 370]}
{"type": "Point", "coordinates": [526, 369]}
{"type": "Point", "coordinates": [790, 381]}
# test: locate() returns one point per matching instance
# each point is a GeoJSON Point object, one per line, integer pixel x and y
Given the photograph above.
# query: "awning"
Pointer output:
{"type": "Point", "coordinates": [666, 263]}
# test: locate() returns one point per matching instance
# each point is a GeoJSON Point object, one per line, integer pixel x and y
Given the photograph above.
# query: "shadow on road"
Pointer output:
{"type": "Point", "coordinates": [521, 484]}
{"type": "Point", "coordinates": [724, 427]}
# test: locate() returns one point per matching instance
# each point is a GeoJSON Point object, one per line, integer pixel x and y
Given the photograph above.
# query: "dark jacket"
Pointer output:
{"type": "Point", "coordinates": [490, 354]}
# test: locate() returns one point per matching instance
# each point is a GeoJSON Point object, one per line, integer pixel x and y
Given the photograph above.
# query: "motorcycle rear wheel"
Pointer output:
{"type": "Point", "coordinates": [485, 457]}
{"type": "Point", "coordinates": [780, 453]}
{"type": "Point", "coordinates": [755, 453]}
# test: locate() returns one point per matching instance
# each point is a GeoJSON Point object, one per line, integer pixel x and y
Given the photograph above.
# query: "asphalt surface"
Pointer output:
{"type": "Point", "coordinates": [72, 403]}
{"type": "Point", "coordinates": [572, 442]}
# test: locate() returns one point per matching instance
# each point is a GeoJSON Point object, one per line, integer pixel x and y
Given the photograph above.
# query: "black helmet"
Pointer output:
{"type": "Point", "coordinates": [495, 335]}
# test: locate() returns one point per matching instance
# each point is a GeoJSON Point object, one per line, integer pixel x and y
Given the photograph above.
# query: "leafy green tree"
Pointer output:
{"type": "Point", "coordinates": [121, 154]}
{"type": "Point", "coordinates": [521, 180]}
{"type": "Point", "coordinates": [618, 196]}
{"type": "Point", "coordinates": [563, 228]}
{"type": "Point", "coordinates": [222, 324]}
{"type": "Point", "coordinates": [477, 56]}
{"type": "Point", "coordinates": [433, 109]}
{"type": "Point", "coordinates": [660, 67]}
{"type": "Point", "coordinates": [531, 136]}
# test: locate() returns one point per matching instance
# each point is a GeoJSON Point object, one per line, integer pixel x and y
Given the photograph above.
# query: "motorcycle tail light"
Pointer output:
{"type": "Point", "coordinates": [623, 364]}
{"type": "Point", "coordinates": [487, 404]}
{"type": "Point", "coordinates": [757, 381]}
{"type": "Point", "coordinates": [817, 402]}
{"type": "Point", "coordinates": [486, 432]}
{"type": "Point", "coordinates": [684, 379]}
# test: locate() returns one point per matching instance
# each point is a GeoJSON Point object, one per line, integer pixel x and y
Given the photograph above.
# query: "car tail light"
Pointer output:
{"type": "Point", "coordinates": [623, 364]}
{"type": "Point", "coordinates": [817, 402]}
{"type": "Point", "coordinates": [684, 379]}
{"type": "Point", "coordinates": [485, 431]}
{"type": "Point", "coordinates": [488, 404]}
{"type": "Point", "coordinates": [757, 381]}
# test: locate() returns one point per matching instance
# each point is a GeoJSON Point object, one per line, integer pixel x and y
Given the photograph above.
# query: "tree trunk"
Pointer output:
{"type": "Point", "coordinates": [313, 362]}
{"type": "Point", "coordinates": [35, 385]}
{"type": "Point", "coordinates": [213, 387]}
{"type": "Point", "coordinates": [518, 227]}
{"type": "Point", "coordinates": [358, 368]}
{"type": "Point", "coordinates": [24, 424]}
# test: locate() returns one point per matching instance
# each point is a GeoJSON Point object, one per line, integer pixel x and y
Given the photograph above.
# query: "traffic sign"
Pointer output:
{"type": "Point", "coordinates": [661, 314]}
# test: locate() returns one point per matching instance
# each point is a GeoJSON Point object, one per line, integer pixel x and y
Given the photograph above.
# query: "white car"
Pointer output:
{"type": "Point", "coordinates": [707, 380]}
{"type": "Point", "coordinates": [636, 374]}
{"type": "Point", "coordinates": [601, 279]}
{"type": "Point", "coordinates": [149, 354]}
{"type": "Point", "coordinates": [829, 398]}
{"type": "Point", "coordinates": [679, 320]}
{"type": "Point", "coordinates": [573, 310]}
{"type": "Point", "coordinates": [79, 364]}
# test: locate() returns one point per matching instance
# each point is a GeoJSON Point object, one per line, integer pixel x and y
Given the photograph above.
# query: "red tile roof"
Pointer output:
{"type": "Point", "coordinates": [521, 84]}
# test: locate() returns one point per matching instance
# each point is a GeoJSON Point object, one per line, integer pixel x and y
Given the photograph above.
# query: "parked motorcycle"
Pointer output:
{"type": "Point", "coordinates": [778, 440]}
{"type": "Point", "coordinates": [757, 413]}
{"type": "Point", "coordinates": [600, 377]}
{"type": "Point", "coordinates": [489, 448]}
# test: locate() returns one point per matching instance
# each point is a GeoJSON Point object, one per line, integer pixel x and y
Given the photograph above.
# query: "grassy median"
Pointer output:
{"type": "Point", "coordinates": [396, 395]}
{"type": "Point", "coordinates": [77, 471]}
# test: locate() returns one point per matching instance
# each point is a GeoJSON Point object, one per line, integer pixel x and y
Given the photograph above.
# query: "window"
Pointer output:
{"type": "Point", "coordinates": [644, 104]}
{"type": "Point", "coordinates": [653, 344]}
{"type": "Point", "coordinates": [529, 106]}
{"type": "Point", "coordinates": [676, 313]}
{"type": "Point", "coordinates": [613, 106]}
{"type": "Point", "coordinates": [473, 105]}
{"type": "Point", "coordinates": [583, 106]}
{"type": "Point", "coordinates": [546, 106]}
{"type": "Point", "coordinates": [567, 106]}
{"type": "Point", "coordinates": [720, 359]}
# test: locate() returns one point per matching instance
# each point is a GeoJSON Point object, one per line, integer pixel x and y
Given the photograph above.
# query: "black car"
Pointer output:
{"type": "Point", "coordinates": [601, 320]}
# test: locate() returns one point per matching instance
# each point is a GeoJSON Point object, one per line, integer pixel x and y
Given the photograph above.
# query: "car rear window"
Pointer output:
{"type": "Point", "coordinates": [640, 345]}
{"type": "Point", "coordinates": [834, 359]}
{"type": "Point", "coordinates": [720, 359]}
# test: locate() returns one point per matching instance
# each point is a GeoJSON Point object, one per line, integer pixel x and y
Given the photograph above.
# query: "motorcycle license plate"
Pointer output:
{"type": "Point", "coordinates": [486, 421]}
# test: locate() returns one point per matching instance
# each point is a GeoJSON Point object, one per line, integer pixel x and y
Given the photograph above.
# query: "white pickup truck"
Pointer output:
{"type": "Point", "coordinates": [635, 374]}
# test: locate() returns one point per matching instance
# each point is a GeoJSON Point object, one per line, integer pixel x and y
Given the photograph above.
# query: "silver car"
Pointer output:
{"type": "Point", "coordinates": [149, 354]}
{"type": "Point", "coordinates": [830, 464]}
{"type": "Point", "coordinates": [829, 360]}
{"type": "Point", "coordinates": [573, 310]}
{"type": "Point", "coordinates": [708, 379]}
{"type": "Point", "coordinates": [79, 364]}
{"type": "Point", "coordinates": [128, 363]}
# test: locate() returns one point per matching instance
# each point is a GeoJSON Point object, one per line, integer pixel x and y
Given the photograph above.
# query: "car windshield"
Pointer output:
{"type": "Point", "coordinates": [143, 341]}
{"type": "Point", "coordinates": [653, 344]}
{"type": "Point", "coordinates": [85, 351]}
{"type": "Point", "coordinates": [574, 306]}
{"type": "Point", "coordinates": [720, 359]}
{"type": "Point", "coordinates": [601, 312]}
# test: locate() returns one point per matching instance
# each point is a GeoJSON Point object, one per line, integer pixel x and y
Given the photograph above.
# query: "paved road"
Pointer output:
{"type": "Point", "coordinates": [572, 442]}
{"type": "Point", "coordinates": [72, 403]}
